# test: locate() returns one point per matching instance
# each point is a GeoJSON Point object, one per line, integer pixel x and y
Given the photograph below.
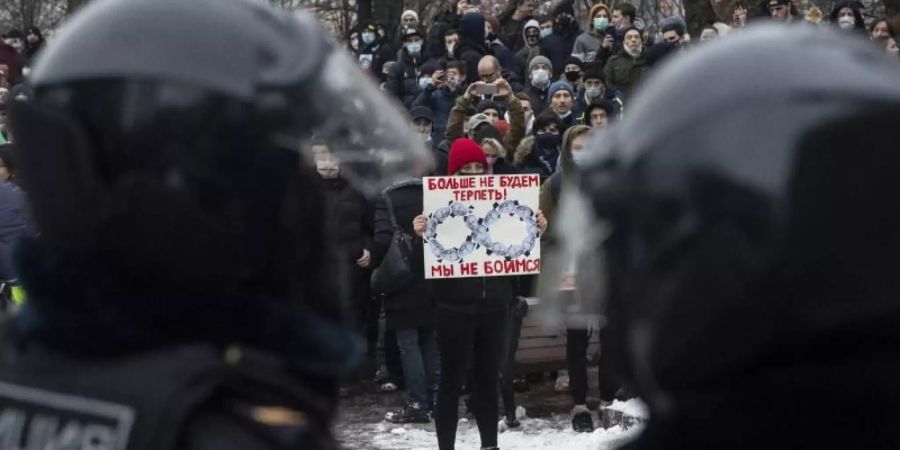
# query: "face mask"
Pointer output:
{"type": "Point", "coordinates": [426, 138]}
{"type": "Point", "coordinates": [593, 92]}
{"type": "Point", "coordinates": [600, 23]}
{"type": "Point", "coordinates": [450, 48]}
{"type": "Point", "coordinates": [540, 78]}
{"type": "Point", "coordinates": [469, 174]}
{"type": "Point", "coordinates": [327, 169]}
{"type": "Point", "coordinates": [368, 38]}
{"type": "Point", "coordinates": [547, 142]}
{"type": "Point", "coordinates": [546, 32]}
{"type": "Point", "coordinates": [578, 158]}
{"type": "Point", "coordinates": [573, 76]}
{"type": "Point", "coordinates": [532, 40]}
{"type": "Point", "coordinates": [563, 115]}
{"type": "Point", "coordinates": [634, 53]}
{"type": "Point", "coordinates": [846, 23]}
{"type": "Point", "coordinates": [424, 82]}
{"type": "Point", "coordinates": [491, 160]}
{"type": "Point", "coordinates": [413, 47]}
{"type": "Point", "coordinates": [354, 44]}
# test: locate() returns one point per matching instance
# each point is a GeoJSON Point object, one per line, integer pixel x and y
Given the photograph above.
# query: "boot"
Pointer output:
{"type": "Point", "coordinates": [411, 413]}
{"type": "Point", "coordinates": [582, 422]}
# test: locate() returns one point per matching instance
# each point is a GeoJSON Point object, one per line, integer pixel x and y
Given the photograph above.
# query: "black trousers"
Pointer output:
{"type": "Point", "coordinates": [576, 355]}
{"type": "Point", "coordinates": [462, 337]}
{"type": "Point", "coordinates": [514, 318]}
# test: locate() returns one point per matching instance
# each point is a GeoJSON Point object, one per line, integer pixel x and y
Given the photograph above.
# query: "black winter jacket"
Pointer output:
{"type": "Point", "coordinates": [412, 306]}
{"type": "Point", "coordinates": [403, 79]}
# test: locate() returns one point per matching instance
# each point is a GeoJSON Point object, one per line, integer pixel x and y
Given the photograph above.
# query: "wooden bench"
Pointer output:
{"type": "Point", "coordinates": [542, 346]}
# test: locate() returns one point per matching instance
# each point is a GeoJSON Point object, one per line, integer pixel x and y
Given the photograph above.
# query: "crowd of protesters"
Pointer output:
{"type": "Point", "coordinates": [519, 92]}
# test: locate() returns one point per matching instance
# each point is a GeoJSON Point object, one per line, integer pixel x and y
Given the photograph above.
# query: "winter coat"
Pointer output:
{"type": "Point", "coordinates": [403, 79]}
{"type": "Point", "coordinates": [511, 29]}
{"type": "Point", "coordinates": [530, 160]}
{"type": "Point", "coordinates": [470, 53]}
{"type": "Point", "coordinates": [441, 155]}
{"type": "Point", "coordinates": [14, 224]}
{"type": "Point", "coordinates": [511, 65]}
{"type": "Point", "coordinates": [540, 98]}
{"type": "Point", "coordinates": [466, 108]}
{"type": "Point", "coordinates": [440, 101]}
{"type": "Point", "coordinates": [13, 60]}
{"type": "Point", "coordinates": [554, 48]}
{"type": "Point", "coordinates": [412, 306]}
{"type": "Point", "coordinates": [625, 73]}
{"type": "Point", "coordinates": [589, 47]}
{"type": "Point", "coordinates": [348, 218]}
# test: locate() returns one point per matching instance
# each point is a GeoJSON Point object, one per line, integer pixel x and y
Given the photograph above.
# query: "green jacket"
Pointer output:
{"type": "Point", "coordinates": [625, 72]}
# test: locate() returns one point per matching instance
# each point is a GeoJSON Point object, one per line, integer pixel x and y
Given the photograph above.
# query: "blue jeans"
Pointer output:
{"type": "Point", "coordinates": [418, 357]}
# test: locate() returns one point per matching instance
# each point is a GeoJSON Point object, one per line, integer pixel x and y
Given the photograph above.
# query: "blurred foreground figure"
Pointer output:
{"type": "Point", "coordinates": [178, 292]}
{"type": "Point", "coordinates": [755, 289]}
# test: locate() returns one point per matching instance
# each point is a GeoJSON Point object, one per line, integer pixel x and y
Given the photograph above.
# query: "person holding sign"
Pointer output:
{"type": "Point", "coordinates": [470, 315]}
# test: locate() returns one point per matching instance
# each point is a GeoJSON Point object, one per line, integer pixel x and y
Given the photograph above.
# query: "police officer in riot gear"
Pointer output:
{"type": "Point", "coordinates": [175, 291]}
{"type": "Point", "coordinates": [754, 245]}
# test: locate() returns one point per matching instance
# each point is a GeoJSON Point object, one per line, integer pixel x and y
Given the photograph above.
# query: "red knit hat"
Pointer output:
{"type": "Point", "coordinates": [462, 152]}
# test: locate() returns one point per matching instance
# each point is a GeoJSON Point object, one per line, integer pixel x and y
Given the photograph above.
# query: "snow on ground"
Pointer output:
{"type": "Point", "coordinates": [554, 432]}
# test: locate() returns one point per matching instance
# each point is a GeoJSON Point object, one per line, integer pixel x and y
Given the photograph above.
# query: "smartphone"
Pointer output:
{"type": "Point", "coordinates": [486, 89]}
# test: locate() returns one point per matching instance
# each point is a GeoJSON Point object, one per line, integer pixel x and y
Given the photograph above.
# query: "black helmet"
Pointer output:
{"type": "Point", "coordinates": [754, 233]}
{"type": "Point", "coordinates": [165, 145]}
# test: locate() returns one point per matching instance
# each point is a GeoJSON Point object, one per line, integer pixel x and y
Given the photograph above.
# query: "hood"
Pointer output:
{"type": "Point", "coordinates": [530, 24]}
{"type": "Point", "coordinates": [471, 27]}
{"type": "Point", "coordinates": [566, 166]}
{"type": "Point", "coordinates": [857, 13]}
{"type": "Point", "coordinates": [523, 151]}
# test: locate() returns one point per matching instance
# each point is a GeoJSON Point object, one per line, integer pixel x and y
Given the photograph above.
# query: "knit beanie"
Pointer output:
{"type": "Point", "coordinates": [462, 152]}
{"type": "Point", "coordinates": [560, 86]}
{"type": "Point", "coordinates": [488, 104]}
{"type": "Point", "coordinates": [409, 12]}
{"type": "Point", "coordinates": [539, 60]}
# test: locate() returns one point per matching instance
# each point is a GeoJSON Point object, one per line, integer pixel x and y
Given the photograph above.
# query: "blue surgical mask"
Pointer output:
{"type": "Point", "coordinates": [593, 92]}
{"type": "Point", "coordinates": [414, 48]}
{"type": "Point", "coordinates": [546, 32]}
{"type": "Point", "coordinates": [368, 38]}
{"type": "Point", "coordinates": [600, 23]}
{"type": "Point", "coordinates": [424, 82]}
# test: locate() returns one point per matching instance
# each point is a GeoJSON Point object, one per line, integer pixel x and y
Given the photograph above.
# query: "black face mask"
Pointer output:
{"type": "Point", "coordinates": [533, 40]}
{"type": "Point", "coordinates": [573, 76]}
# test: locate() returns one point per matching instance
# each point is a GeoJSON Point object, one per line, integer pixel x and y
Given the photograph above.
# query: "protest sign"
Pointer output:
{"type": "Point", "coordinates": [482, 226]}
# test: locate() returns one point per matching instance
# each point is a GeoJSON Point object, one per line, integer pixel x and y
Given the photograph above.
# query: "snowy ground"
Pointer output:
{"type": "Point", "coordinates": [547, 425]}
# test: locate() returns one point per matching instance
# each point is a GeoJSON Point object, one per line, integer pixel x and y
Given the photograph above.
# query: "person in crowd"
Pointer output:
{"type": "Point", "coordinates": [566, 27]}
{"type": "Point", "coordinates": [625, 69]}
{"type": "Point", "coordinates": [409, 311]}
{"type": "Point", "coordinates": [708, 33]}
{"type": "Point", "coordinates": [659, 52]}
{"type": "Point", "coordinates": [15, 39]}
{"type": "Point", "coordinates": [890, 47]}
{"type": "Point", "coordinates": [540, 72]}
{"type": "Point", "coordinates": [403, 79]}
{"type": "Point", "coordinates": [468, 311]}
{"type": "Point", "coordinates": [623, 15]}
{"type": "Point", "coordinates": [490, 140]}
{"type": "Point", "coordinates": [423, 124]}
{"type": "Point", "coordinates": [490, 109]}
{"type": "Point", "coordinates": [782, 11]}
{"type": "Point", "coordinates": [847, 15]}
{"type": "Point", "coordinates": [11, 62]}
{"type": "Point", "coordinates": [440, 96]}
{"type": "Point", "coordinates": [471, 46]}
{"type": "Point", "coordinates": [34, 42]}
{"type": "Point", "coordinates": [348, 219]}
{"type": "Point", "coordinates": [572, 72]}
{"type": "Point", "coordinates": [599, 113]}
{"type": "Point", "coordinates": [553, 44]}
{"type": "Point", "coordinates": [525, 100]}
{"type": "Point", "coordinates": [881, 30]}
{"type": "Point", "coordinates": [578, 321]}
{"type": "Point", "coordinates": [739, 17]}
{"type": "Point", "coordinates": [489, 70]}
{"type": "Point", "coordinates": [373, 53]}
{"type": "Point", "coordinates": [539, 153]}
{"type": "Point", "coordinates": [353, 42]}
{"type": "Point", "coordinates": [562, 103]}
{"type": "Point", "coordinates": [513, 20]}
{"type": "Point", "coordinates": [595, 90]}
{"type": "Point", "coordinates": [512, 66]}
{"type": "Point", "coordinates": [531, 47]}
{"type": "Point", "coordinates": [451, 40]}
{"type": "Point", "coordinates": [14, 220]}
{"type": "Point", "coordinates": [673, 32]}
{"type": "Point", "coordinates": [466, 108]}
{"type": "Point", "coordinates": [589, 47]}
{"type": "Point", "coordinates": [7, 164]}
